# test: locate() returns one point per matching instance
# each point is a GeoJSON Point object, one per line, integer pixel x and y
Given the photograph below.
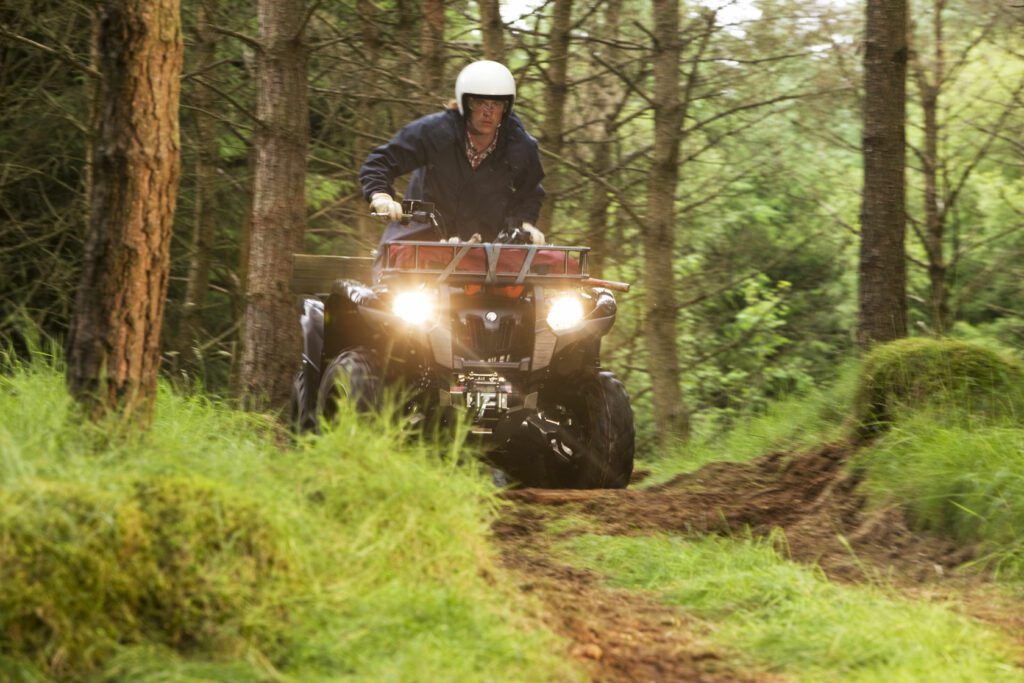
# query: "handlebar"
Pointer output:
{"type": "Point", "coordinates": [413, 211]}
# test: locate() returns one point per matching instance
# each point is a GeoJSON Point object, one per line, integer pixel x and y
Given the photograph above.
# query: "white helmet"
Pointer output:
{"type": "Point", "coordinates": [486, 79]}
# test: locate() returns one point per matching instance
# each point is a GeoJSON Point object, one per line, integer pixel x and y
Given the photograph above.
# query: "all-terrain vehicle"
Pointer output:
{"type": "Point", "coordinates": [507, 334]}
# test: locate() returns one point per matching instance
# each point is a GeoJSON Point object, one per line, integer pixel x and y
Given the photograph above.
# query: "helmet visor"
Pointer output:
{"type": "Point", "coordinates": [478, 103]}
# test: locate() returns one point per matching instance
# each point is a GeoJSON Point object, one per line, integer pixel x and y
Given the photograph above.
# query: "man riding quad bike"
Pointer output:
{"type": "Point", "coordinates": [487, 321]}
{"type": "Point", "coordinates": [507, 334]}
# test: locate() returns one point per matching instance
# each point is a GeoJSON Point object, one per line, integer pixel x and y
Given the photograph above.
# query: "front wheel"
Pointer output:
{"type": "Point", "coordinates": [352, 375]}
{"type": "Point", "coordinates": [302, 407]}
{"type": "Point", "coordinates": [595, 409]}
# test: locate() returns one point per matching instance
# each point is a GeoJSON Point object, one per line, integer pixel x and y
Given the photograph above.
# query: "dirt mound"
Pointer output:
{"type": "Point", "coordinates": [810, 496]}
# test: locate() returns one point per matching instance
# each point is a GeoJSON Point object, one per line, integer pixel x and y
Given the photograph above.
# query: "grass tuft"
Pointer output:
{"type": "Point", "coordinates": [965, 483]}
{"type": "Point", "coordinates": [907, 375]}
{"type": "Point", "coordinates": [174, 562]}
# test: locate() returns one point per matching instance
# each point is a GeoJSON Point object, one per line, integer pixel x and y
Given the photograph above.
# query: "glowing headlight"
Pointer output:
{"type": "Point", "coordinates": [566, 312]}
{"type": "Point", "coordinates": [414, 308]}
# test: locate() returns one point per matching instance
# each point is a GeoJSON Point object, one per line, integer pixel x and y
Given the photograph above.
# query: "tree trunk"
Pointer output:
{"type": "Point", "coordinates": [600, 201]}
{"type": "Point", "coordinates": [366, 118]}
{"type": "Point", "coordinates": [934, 220]}
{"type": "Point", "coordinates": [883, 301]}
{"type": "Point", "coordinates": [114, 345]}
{"type": "Point", "coordinates": [271, 341]}
{"type": "Point", "coordinates": [204, 222]}
{"type": "Point", "coordinates": [933, 216]}
{"type": "Point", "coordinates": [555, 91]}
{"type": "Point", "coordinates": [403, 58]}
{"type": "Point", "coordinates": [492, 29]}
{"type": "Point", "coordinates": [670, 414]}
{"type": "Point", "coordinates": [432, 47]}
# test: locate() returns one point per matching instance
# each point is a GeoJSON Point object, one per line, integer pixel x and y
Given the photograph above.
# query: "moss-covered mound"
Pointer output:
{"type": "Point", "coordinates": [912, 374]}
{"type": "Point", "coordinates": [173, 561]}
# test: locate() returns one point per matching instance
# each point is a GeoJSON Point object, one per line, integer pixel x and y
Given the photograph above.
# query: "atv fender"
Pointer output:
{"type": "Point", "coordinates": [308, 379]}
{"type": "Point", "coordinates": [596, 325]}
{"type": "Point", "coordinates": [312, 322]}
{"type": "Point", "coordinates": [345, 327]}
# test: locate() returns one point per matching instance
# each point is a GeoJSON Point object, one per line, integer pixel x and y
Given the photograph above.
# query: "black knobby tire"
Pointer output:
{"type": "Point", "coordinates": [352, 374]}
{"type": "Point", "coordinates": [302, 407]}
{"type": "Point", "coordinates": [600, 416]}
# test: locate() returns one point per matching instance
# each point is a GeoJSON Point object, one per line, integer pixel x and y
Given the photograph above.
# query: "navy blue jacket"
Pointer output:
{"type": "Point", "coordinates": [503, 191]}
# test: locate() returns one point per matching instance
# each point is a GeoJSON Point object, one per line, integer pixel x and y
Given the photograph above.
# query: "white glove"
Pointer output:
{"type": "Point", "coordinates": [383, 205]}
{"type": "Point", "coordinates": [472, 240]}
{"type": "Point", "coordinates": [536, 236]}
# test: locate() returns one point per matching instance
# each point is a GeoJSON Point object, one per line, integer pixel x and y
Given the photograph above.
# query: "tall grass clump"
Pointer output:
{"type": "Point", "coordinates": [964, 483]}
{"type": "Point", "coordinates": [789, 618]}
{"type": "Point", "coordinates": [968, 381]}
{"type": "Point", "coordinates": [213, 548]}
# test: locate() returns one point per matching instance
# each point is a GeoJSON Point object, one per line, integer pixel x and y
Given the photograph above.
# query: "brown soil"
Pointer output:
{"type": "Point", "coordinates": [811, 497]}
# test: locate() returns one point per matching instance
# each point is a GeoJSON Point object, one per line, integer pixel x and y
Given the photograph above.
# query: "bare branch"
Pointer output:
{"type": "Point", "coordinates": [247, 39]}
{"type": "Point", "coordinates": [63, 55]}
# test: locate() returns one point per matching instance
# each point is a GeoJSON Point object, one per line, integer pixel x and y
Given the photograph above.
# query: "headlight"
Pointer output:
{"type": "Point", "coordinates": [566, 312]}
{"type": "Point", "coordinates": [415, 308]}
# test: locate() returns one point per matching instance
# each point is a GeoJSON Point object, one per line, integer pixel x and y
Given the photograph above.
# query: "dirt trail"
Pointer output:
{"type": "Point", "coordinates": [623, 636]}
{"type": "Point", "coordinates": [617, 635]}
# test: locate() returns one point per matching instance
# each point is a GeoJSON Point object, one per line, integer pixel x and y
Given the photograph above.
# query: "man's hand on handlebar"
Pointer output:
{"type": "Point", "coordinates": [525, 234]}
{"type": "Point", "coordinates": [384, 205]}
{"type": "Point", "coordinates": [536, 236]}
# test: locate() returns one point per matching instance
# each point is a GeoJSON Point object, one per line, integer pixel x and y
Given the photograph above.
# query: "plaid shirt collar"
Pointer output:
{"type": "Point", "coordinates": [476, 158]}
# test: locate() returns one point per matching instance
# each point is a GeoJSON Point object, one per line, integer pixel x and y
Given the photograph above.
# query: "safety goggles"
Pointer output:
{"type": "Point", "coordinates": [484, 104]}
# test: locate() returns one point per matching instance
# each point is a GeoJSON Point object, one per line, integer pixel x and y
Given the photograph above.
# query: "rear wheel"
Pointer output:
{"type": "Point", "coordinates": [595, 409]}
{"type": "Point", "coordinates": [352, 375]}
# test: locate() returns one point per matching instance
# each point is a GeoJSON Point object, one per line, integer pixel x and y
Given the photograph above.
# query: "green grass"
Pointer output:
{"type": "Point", "coordinates": [951, 419]}
{"type": "Point", "coordinates": [965, 483]}
{"type": "Point", "coordinates": [788, 618]}
{"type": "Point", "coordinates": [212, 549]}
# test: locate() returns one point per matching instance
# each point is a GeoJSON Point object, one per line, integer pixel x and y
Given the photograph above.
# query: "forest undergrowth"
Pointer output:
{"type": "Point", "coordinates": [213, 548]}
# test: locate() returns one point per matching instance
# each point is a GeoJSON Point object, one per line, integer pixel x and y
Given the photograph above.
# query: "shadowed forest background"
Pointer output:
{"type": "Point", "coordinates": [756, 231]}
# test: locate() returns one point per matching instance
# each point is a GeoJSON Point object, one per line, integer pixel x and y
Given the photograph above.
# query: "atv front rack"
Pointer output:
{"type": "Point", "coordinates": [489, 263]}
{"type": "Point", "coordinates": [459, 263]}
